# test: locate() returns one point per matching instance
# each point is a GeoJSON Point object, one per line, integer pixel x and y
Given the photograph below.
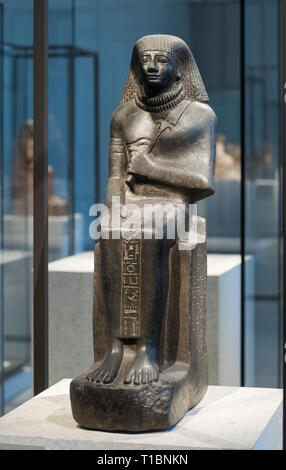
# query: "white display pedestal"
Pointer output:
{"type": "Point", "coordinates": [18, 233]}
{"type": "Point", "coordinates": [16, 266]}
{"type": "Point", "coordinates": [70, 317]}
{"type": "Point", "coordinates": [224, 319]}
{"type": "Point", "coordinates": [228, 418]}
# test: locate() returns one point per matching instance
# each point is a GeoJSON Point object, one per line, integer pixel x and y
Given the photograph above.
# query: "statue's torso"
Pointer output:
{"type": "Point", "coordinates": [175, 137]}
{"type": "Point", "coordinates": [156, 132]}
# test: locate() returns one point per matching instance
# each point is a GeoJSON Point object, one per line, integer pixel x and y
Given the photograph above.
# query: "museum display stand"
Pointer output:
{"type": "Point", "coordinates": [227, 418]}
{"type": "Point", "coordinates": [59, 233]}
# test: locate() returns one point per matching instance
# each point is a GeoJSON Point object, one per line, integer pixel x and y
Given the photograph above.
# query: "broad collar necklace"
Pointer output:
{"type": "Point", "coordinates": [163, 102]}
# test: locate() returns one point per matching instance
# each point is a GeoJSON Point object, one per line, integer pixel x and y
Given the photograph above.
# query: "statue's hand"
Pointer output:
{"type": "Point", "coordinates": [140, 164]}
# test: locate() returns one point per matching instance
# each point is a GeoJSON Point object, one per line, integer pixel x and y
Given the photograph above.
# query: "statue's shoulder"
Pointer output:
{"type": "Point", "coordinates": [203, 111]}
{"type": "Point", "coordinates": [122, 112]}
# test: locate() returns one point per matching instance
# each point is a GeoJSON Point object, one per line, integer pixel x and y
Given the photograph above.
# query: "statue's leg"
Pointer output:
{"type": "Point", "coordinates": [107, 370]}
{"type": "Point", "coordinates": [154, 287]}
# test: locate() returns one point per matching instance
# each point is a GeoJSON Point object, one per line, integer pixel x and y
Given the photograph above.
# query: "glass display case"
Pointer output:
{"type": "Point", "coordinates": [67, 213]}
{"type": "Point", "coordinates": [68, 188]}
{"type": "Point", "coordinates": [16, 253]}
{"type": "Point", "coordinates": [262, 184]}
{"type": "Point", "coordinates": [73, 146]}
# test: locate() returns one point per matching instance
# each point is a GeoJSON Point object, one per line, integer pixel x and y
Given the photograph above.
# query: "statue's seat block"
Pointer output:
{"type": "Point", "coordinates": [183, 380]}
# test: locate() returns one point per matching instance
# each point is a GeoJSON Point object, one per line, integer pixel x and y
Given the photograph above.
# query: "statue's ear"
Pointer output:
{"type": "Point", "coordinates": [179, 72]}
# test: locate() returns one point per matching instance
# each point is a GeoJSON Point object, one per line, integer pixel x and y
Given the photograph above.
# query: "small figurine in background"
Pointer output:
{"type": "Point", "coordinates": [22, 177]}
{"type": "Point", "coordinates": [227, 166]}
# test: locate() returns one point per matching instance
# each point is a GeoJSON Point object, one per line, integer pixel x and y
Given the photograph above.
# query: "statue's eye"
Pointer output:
{"type": "Point", "coordinates": [145, 59]}
{"type": "Point", "coordinates": [163, 59]}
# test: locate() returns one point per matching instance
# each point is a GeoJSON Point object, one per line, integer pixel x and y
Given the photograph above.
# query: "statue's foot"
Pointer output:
{"type": "Point", "coordinates": [144, 370]}
{"type": "Point", "coordinates": [107, 371]}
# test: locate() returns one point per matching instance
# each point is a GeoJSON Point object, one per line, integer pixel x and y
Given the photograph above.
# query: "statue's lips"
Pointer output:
{"type": "Point", "coordinates": [154, 77]}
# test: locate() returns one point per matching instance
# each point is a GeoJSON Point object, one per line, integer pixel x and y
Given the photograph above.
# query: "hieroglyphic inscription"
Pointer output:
{"type": "Point", "coordinates": [130, 289]}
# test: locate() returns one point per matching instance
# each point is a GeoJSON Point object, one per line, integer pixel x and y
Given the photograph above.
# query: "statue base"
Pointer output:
{"type": "Point", "coordinates": [136, 408]}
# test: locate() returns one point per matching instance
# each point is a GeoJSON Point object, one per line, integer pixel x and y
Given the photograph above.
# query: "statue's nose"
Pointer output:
{"type": "Point", "coordinates": [152, 67]}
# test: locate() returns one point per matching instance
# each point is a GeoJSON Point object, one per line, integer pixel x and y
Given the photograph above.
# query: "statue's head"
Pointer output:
{"type": "Point", "coordinates": [158, 62]}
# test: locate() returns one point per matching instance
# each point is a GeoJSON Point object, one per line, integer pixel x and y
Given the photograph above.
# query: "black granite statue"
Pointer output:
{"type": "Point", "coordinates": [150, 356]}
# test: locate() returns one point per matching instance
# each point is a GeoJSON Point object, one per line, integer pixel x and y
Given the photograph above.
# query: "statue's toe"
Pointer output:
{"type": "Point", "coordinates": [145, 377]}
{"type": "Point", "coordinates": [150, 376]}
{"type": "Point", "coordinates": [92, 376]}
{"type": "Point", "coordinates": [107, 371]}
{"type": "Point", "coordinates": [129, 378]}
{"type": "Point", "coordinates": [153, 375]}
{"type": "Point", "coordinates": [142, 375]}
{"type": "Point", "coordinates": [89, 377]}
{"type": "Point", "coordinates": [100, 376]}
{"type": "Point", "coordinates": [110, 376]}
{"type": "Point", "coordinates": [137, 377]}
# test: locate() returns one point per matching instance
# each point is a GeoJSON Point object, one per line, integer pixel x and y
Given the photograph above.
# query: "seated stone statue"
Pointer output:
{"type": "Point", "coordinates": [150, 363]}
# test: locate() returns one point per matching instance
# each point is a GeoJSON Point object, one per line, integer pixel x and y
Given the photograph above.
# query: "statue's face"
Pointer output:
{"type": "Point", "coordinates": [157, 70]}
